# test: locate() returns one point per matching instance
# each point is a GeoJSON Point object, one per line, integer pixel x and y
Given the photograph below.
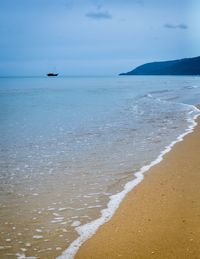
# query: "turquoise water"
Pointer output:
{"type": "Point", "coordinates": [67, 144]}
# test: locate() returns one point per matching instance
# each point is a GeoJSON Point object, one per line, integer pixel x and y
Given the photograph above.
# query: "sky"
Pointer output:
{"type": "Point", "coordinates": [94, 37]}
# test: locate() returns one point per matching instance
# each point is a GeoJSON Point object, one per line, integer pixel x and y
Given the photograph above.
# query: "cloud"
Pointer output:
{"type": "Point", "coordinates": [139, 2]}
{"type": "Point", "coordinates": [99, 15]}
{"type": "Point", "coordinates": [181, 26]}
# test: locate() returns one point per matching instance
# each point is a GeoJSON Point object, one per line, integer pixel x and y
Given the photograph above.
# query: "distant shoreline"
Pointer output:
{"type": "Point", "coordinates": [179, 67]}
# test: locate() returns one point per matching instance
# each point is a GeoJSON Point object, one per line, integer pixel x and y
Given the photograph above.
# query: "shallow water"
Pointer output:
{"type": "Point", "coordinates": [68, 144]}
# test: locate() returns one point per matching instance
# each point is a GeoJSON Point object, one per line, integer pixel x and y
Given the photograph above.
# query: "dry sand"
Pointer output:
{"type": "Point", "coordinates": [160, 218]}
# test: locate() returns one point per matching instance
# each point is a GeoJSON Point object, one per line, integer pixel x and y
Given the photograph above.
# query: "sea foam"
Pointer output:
{"type": "Point", "coordinates": [89, 229]}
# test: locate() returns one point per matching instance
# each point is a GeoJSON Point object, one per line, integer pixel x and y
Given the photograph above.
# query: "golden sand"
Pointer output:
{"type": "Point", "coordinates": [160, 218]}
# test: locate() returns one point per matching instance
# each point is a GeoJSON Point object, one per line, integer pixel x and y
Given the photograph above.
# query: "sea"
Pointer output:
{"type": "Point", "coordinates": [71, 148]}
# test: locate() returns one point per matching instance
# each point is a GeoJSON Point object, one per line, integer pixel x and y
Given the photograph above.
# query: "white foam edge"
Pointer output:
{"type": "Point", "coordinates": [88, 230]}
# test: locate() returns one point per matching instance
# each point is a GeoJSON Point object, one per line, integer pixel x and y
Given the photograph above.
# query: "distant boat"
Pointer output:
{"type": "Point", "coordinates": [52, 74]}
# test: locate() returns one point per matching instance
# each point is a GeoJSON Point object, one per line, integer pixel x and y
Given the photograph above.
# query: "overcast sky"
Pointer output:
{"type": "Point", "coordinates": [94, 37]}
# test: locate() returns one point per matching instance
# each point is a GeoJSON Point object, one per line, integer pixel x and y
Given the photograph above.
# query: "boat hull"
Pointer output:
{"type": "Point", "coordinates": [52, 74]}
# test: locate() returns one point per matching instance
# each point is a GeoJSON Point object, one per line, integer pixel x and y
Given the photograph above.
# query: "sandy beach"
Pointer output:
{"type": "Point", "coordinates": [160, 218]}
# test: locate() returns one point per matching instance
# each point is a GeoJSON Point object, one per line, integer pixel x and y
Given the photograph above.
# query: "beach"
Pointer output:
{"type": "Point", "coordinates": [73, 148]}
{"type": "Point", "coordinates": [160, 217]}
{"type": "Point", "coordinates": [98, 105]}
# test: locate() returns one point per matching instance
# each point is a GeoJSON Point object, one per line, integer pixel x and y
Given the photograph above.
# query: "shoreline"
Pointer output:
{"type": "Point", "coordinates": [160, 217]}
{"type": "Point", "coordinates": [89, 230]}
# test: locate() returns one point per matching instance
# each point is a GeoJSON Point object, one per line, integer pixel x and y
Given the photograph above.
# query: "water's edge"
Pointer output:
{"type": "Point", "coordinates": [88, 230]}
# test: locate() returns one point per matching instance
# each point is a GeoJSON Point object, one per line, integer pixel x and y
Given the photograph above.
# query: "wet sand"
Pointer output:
{"type": "Point", "coordinates": [160, 218]}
